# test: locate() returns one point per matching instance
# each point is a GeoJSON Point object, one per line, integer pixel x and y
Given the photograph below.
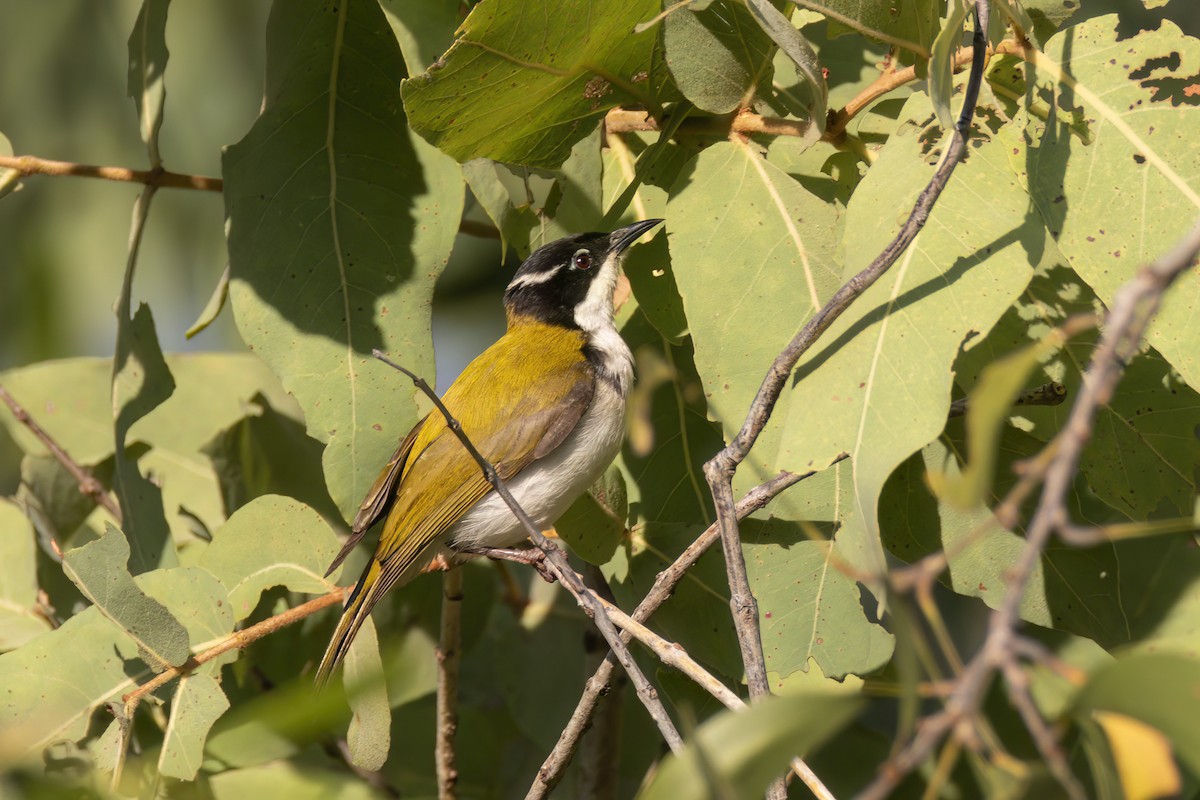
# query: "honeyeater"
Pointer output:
{"type": "Point", "coordinates": [545, 404]}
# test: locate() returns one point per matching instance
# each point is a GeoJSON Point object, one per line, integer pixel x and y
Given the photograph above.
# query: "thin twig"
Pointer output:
{"type": "Point", "coordinates": [88, 484]}
{"type": "Point", "coordinates": [32, 165]}
{"type": "Point", "coordinates": [720, 469]}
{"type": "Point", "coordinates": [1017, 683]}
{"type": "Point", "coordinates": [236, 641]}
{"type": "Point", "coordinates": [557, 561]}
{"type": "Point", "coordinates": [556, 762]}
{"type": "Point", "coordinates": [449, 657]}
{"type": "Point", "coordinates": [1133, 306]}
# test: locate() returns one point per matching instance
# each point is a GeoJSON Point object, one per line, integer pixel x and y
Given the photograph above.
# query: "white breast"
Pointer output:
{"type": "Point", "coordinates": [549, 485]}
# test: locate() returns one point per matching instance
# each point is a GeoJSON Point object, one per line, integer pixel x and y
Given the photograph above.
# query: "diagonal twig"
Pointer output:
{"type": "Point", "coordinates": [88, 484]}
{"type": "Point", "coordinates": [1133, 306]}
{"type": "Point", "coordinates": [720, 469]}
{"type": "Point", "coordinates": [557, 561]}
{"type": "Point", "coordinates": [556, 762]}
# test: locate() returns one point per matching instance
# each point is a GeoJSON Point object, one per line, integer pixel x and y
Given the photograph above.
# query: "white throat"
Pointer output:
{"type": "Point", "coordinates": [595, 317]}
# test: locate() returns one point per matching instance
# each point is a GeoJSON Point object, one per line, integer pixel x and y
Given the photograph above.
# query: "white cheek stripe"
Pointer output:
{"type": "Point", "coordinates": [535, 278]}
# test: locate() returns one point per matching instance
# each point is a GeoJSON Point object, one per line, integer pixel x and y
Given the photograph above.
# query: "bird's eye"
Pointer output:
{"type": "Point", "coordinates": [582, 260]}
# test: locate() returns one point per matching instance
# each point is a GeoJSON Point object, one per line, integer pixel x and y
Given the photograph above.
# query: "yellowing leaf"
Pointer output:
{"type": "Point", "coordinates": [1143, 756]}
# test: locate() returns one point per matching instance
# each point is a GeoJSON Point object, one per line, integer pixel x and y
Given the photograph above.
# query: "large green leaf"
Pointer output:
{"type": "Point", "coordinates": [339, 220]}
{"type": "Point", "coordinates": [751, 269]}
{"type": "Point", "coordinates": [911, 26]}
{"type": "Point", "coordinates": [1138, 158]}
{"type": "Point", "coordinates": [423, 30]}
{"type": "Point", "coordinates": [738, 753]}
{"type": "Point", "coordinates": [54, 683]}
{"type": "Point", "coordinates": [70, 399]}
{"type": "Point", "coordinates": [19, 622]}
{"type": "Point", "coordinates": [1138, 591]}
{"type": "Point", "coordinates": [524, 80]}
{"type": "Point", "coordinates": [718, 55]}
{"type": "Point", "coordinates": [141, 381]}
{"type": "Point", "coordinates": [147, 65]}
{"type": "Point", "coordinates": [1142, 457]}
{"type": "Point", "coordinates": [197, 703]}
{"type": "Point", "coordinates": [100, 570]}
{"type": "Point", "coordinates": [271, 541]}
{"type": "Point", "coordinates": [877, 385]}
{"type": "Point", "coordinates": [285, 779]}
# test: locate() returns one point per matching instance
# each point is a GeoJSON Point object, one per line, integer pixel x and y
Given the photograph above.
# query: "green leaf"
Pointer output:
{"type": "Point", "coordinates": [147, 65]}
{"type": "Point", "coordinates": [198, 703]}
{"type": "Point", "coordinates": [769, 285]}
{"type": "Point", "coordinates": [100, 570]}
{"type": "Point", "coordinates": [941, 62]}
{"type": "Point", "coordinates": [718, 56]}
{"type": "Point", "coordinates": [670, 437]}
{"type": "Point", "coordinates": [423, 30]}
{"type": "Point", "coordinates": [70, 399]}
{"type": "Point", "coordinates": [793, 44]}
{"type": "Point", "coordinates": [198, 600]}
{"type": "Point", "coordinates": [141, 381]}
{"type": "Point", "coordinates": [1138, 156]}
{"type": "Point", "coordinates": [747, 749]}
{"type": "Point", "coordinates": [807, 607]}
{"type": "Point", "coordinates": [339, 221]}
{"type": "Point", "coordinates": [19, 620]}
{"type": "Point", "coordinates": [55, 682]}
{"type": "Point", "coordinates": [370, 734]}
{"type": "Point", "coordinates": [268, 452]}
{"type": "Point", "coordinates": [271, 541]}
{"type": "Point", "coordinates": [294, 781]}
{"type": "Point", "coordinates": [1160, 689]}
{"type": "Point", "coordinates": [910, 26]}
{"type": "Point", "coordinates": [522, 86]}
{"type": "Point", "coordinates": [1139, 459]}
{"type": "Point", "coordinates": [10, 179]}
{"type": "Point", "coordinates": [1140, 592]}
{"type": "Point", "coordinates": [651, 276]}
{"type": "Point", "coordinates": [594, 524]}
{"type": "Point", "coordinates": [878, 382]}
{"type": "Point", "coordinates": [213, 307]}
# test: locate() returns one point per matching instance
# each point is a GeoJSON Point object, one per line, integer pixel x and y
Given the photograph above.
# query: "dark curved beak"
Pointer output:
{"type": "Point", "coordinates": [621, 238]}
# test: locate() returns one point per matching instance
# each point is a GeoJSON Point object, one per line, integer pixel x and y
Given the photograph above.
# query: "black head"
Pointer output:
{"type": "Point", "coordinates": [570, 282]}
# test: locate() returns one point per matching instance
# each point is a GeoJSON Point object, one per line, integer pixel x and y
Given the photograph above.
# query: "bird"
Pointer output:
{"type": "Point", "coordinates": [545, 404]}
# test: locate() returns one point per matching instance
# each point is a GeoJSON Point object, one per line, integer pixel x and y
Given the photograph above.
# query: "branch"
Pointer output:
{"type": "Point", "coordinates": [88, 484]}
{"type": "Point", "coordinates": [720, 469]}
{"type": "Point", "coordinates": [557, 562]}
{"type": "Point", "coordinates": [449, 657]}
{"type": "Point", "coordinates": [32, 165]}
{"type": "Point", "coordinates": [556, 762]}
{"type": "Point", "coordinates": [1133, 306]}
{"type": "Point", "coordinates": [236, 641]}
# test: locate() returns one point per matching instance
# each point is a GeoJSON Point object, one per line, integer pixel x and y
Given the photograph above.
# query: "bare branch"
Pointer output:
{"type": "Point", "coordinates": [720, 469]}
{"type": "Point", "coordinates": [449, 657]}
{"type": "Point", "coordinates": [1048, 394]}
{"type": "Point", "coordinates": [88, 484]}
{"type": "Point", "coordinates": [557, 561]}
{"type": "Point", "coordinates": [236, 641]}
{"type": "Point", "coordinates": [1132, 308]}
{"type": "Point", "coordinates": [32, 165]}
{"type": "Point", "coordinates": [556, 762]}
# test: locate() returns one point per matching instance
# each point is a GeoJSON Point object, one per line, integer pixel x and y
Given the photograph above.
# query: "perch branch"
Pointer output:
{"type": "Point", "coordinates": [236, 641]}
{"type": "Point", "coordinates": [88, 484]}
{"type": "Point", "coordinates": [720, 469]}
{"type": "Point", "coordinates": [556, 762]}
{"type": "Point", "coordinates": [1132, 309]}
{"type": "Point", "coordinates": [557, 562]}
{"type": "Point", "coordinates": [449, 657]}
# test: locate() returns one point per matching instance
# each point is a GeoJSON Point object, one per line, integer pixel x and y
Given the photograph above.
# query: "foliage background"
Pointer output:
{"type": "Point", "coordinates": [64, 97]}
